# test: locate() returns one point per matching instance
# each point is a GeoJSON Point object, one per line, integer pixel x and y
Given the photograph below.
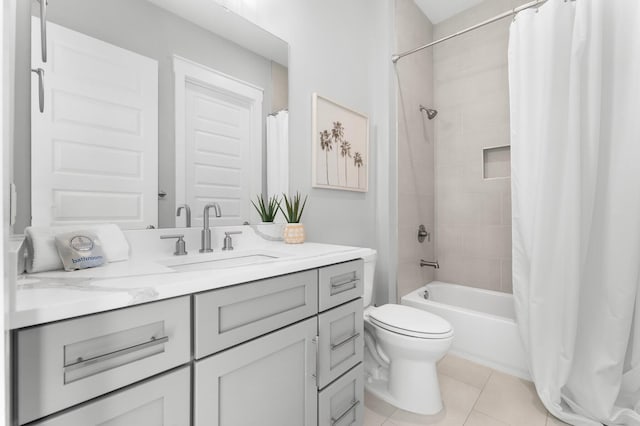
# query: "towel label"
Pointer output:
{"type": "Point", "coordinates": [79, 250]}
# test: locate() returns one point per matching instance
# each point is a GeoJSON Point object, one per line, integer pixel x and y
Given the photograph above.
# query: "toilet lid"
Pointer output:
{"type": "Point", "coordinates": [411, 322]}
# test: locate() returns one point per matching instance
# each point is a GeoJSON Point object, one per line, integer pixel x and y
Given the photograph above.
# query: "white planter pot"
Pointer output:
{"type": "Point", "coordinates": [270, 230]}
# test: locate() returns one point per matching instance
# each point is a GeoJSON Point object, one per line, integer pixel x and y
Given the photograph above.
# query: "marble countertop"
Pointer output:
{"type": "Point", "coordinates": [57, 295]}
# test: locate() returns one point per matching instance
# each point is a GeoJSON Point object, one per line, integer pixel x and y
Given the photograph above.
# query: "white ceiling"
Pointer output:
{"type": "Point", "coordinates": [439, 10]}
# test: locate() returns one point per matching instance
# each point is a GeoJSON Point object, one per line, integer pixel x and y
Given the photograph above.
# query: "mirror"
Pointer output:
{"type": "Point", "coordinates": [163, 97]}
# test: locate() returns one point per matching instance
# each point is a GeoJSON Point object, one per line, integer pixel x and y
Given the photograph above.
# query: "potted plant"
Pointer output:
{"type": "Point", "coordinates": [294, 230]}
{"type": "Point", "coordinates": [268, 209]}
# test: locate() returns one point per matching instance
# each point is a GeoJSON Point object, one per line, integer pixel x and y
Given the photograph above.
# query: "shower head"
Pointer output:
{"type": "Point", "coordinates": [431, 113]}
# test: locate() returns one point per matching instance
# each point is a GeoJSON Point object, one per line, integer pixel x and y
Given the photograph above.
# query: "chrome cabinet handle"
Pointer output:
{"type": "Point", "coordinates": [43, 29]}
{"type": "Point", "coordinates": [354, 282]}
{"type": "Point", "coordinates": [80, 363]}
{"type": "Point", "coordinates": [353, 405]}
{"type": "Point", "coordinates": [345, 341]}
{"type": "Point", "coordinates": [40, 73]}
{"type": "Point", "coordinates": [316, 341]}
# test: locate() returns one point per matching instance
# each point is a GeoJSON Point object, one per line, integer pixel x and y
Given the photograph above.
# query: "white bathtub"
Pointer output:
{"type": "Point", "coordinates": [485, 330]}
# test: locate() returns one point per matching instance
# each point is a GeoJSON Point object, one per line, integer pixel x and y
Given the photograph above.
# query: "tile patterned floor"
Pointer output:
{"type": "Point", "coordinates": [473, 395]}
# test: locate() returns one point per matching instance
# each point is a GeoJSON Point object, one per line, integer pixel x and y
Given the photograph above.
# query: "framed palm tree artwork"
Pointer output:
{"type": "Point", "coordinates": [340, 146]}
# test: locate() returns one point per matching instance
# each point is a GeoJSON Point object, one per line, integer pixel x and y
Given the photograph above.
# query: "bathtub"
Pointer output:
{"type": "Point", "coordinates": [485, 330]}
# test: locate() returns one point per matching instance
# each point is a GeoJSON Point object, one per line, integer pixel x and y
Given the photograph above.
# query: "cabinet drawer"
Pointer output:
{"type": "Point", "coordinates": [64, 363]}
{"type": "Point", "coordinates": [342, 402]}
{"type": "Point", "coordinates": [341, 341]}
{"type": "Point", "coordinates": [340, 283]}
{"type": "Point", "coordinates": [164, 400]}
{"type": "Point", "coordinates": [232, 315]}
{"type": "Point", "coordinates": [265, 382]}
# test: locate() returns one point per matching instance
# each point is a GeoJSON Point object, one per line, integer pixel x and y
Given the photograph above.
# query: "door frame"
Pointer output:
{"type": "Point", "coordinates": [187, 71]}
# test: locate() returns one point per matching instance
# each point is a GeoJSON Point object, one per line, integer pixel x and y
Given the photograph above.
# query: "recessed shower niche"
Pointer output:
{"type": "Point", "coordinates": [496, 162]}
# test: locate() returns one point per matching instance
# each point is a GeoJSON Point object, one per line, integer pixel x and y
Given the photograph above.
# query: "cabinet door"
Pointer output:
{"type": "Point", "coordinates": [265, 382]}
{"type": "Point", "coordinates": [341, 341]}
{"type": "Point", "coordinates": [342, 402]}
{"type": "Point", "coordinates": [164, 400]}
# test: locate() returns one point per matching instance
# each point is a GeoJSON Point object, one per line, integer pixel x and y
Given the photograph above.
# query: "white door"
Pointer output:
{"type": "Point", "coordinates": [94, 150]}
{"type": "Point", "coordinates": [218, 143]}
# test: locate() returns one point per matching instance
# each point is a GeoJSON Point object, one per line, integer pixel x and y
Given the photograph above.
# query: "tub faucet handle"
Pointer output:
{"type": "Point", "coordinates": [423, 233]}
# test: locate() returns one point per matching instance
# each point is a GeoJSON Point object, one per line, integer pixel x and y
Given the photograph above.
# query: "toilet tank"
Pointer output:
{"type": "Point", "coordinates": [368, 275]}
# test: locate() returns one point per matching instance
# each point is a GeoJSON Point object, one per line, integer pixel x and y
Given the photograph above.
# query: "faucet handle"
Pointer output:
{"type": "Point", "coordinates": [181, 246]}
{"type": "Point", "coordinates": [228, 242]}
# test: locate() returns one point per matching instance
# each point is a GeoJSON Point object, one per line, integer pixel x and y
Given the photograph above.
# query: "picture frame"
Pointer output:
{"type": "Point", "coordinates": [340, 147]}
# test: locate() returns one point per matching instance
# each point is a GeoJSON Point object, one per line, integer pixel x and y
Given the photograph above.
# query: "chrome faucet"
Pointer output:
{"type": "Point", "coordinates": [187, 209]}
{"type": "Point", "coordinates": [434, 265]}
{"type": "Point", "coordinates": [206, 232]}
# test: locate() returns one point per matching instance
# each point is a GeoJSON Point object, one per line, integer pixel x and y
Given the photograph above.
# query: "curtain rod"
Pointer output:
{"type": "Point", "coordinates": [512, 12]}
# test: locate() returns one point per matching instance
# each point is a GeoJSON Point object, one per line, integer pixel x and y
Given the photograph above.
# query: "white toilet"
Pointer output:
{"type": "Point", "coordinates": [403, 345]}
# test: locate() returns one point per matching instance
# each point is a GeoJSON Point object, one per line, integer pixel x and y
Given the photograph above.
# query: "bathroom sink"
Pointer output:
{"type": "Point", "coordinates": [201, 262]}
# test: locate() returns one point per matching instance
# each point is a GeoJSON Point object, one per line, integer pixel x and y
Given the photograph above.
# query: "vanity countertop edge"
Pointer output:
{"type": "Point", "coordinates": [39, 301]}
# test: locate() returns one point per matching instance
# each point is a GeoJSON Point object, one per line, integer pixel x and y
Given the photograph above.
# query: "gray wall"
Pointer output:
{"type": "Point", "coordinates": [415, 147]}
{"type": "Point", "coordinates": [341, 50]}
{"type": "Point", "coordinates": [141, 27]}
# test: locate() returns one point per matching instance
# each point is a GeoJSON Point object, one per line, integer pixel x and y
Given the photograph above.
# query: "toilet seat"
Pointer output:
{"type": "Point", "coordinates": [411, 322]}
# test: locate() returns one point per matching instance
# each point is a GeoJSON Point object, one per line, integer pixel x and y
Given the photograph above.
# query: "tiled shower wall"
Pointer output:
{"type": "Point", "coordinates": [415, 147]}
{"type": "Point", "coordinates": [473, 214]}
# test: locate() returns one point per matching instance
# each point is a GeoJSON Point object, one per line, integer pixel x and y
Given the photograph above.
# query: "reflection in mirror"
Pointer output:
{"type": "Point", "coordinates": [148, 105]}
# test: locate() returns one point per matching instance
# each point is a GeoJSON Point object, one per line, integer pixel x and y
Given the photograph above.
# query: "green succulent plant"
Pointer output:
{"type": "Point", "coordinates": [294, 207]}
{"type": "Point", "coordinates": [267, 209]}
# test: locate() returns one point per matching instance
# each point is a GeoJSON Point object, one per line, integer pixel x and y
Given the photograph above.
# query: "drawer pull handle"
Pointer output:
{"type": "Point", "coordinates": [316, 341]}
{"type": "Point", "coordinates": [80, 363]}
{"type": "Point", "coordinates": [353, 405]}
{"type": "Point", "coordinates": [346, 283]}
{"type": "Point", "coordinates": [335, 346]}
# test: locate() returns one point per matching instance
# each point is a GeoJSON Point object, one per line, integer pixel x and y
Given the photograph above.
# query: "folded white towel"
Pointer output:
{"type": "Point", "coordinates": [43, 255]}
{"type": "Point", "coordinates": [41, 247]}
{"type": "Point", "coordinates": [114, 243]}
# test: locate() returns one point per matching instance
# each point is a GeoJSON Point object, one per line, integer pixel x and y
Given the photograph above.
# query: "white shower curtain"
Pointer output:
{"type": "Point", "coordinates": [574, 76]}
{"type": "Point", "coordinates": [278, 154]}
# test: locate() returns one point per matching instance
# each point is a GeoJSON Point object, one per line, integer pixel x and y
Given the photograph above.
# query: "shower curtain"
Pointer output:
{"type": "Point", "coordinates": [574, 77]}
{"type": "Point", "coordinates": [278, 154]}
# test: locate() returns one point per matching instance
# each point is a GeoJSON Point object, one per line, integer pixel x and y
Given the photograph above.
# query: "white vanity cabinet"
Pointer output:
{"type": "Point", "coordinates": [283, 377]}
{"type": "Point", "coordinates": [280, 351]}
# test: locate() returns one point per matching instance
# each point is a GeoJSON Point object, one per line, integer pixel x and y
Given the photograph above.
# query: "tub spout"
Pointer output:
{"type": "Point", "coordinates": [435, 264]}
